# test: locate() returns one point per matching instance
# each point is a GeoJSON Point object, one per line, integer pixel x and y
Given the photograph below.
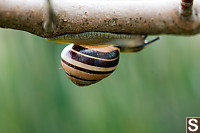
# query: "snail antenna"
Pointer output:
{"type": "Point", "coordinates": [145, 36]}
{"type": "Point", "coordinates": [147, 43]}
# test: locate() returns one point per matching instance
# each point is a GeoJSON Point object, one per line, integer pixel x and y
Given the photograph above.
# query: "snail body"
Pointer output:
{"type": "Point", "coordinates": [126, 42]}
{"type": "Point", "coordinates": [92, 56]}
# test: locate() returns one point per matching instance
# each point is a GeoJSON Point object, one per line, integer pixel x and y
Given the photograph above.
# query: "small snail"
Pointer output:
{"type": "Point", "coordinates": [92, 56]}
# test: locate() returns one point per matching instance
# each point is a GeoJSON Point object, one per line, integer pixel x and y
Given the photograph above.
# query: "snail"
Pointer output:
{"type": "Point", "coordinates": [92, 56]}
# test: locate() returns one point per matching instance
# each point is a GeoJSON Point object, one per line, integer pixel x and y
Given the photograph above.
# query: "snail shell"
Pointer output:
{"type": "Point", "coordinates": [87, 64]}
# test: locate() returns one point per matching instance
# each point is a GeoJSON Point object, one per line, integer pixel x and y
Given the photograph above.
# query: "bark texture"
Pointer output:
{"type": "Point", "coordinates": [134, 17]}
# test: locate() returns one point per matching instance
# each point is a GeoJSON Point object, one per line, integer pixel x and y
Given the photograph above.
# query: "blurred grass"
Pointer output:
{"type": "Point", "coordinates": [151, 91]}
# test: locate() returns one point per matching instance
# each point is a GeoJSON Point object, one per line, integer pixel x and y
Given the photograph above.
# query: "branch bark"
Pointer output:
{"type": "Point", "coordinates": [135, 17]}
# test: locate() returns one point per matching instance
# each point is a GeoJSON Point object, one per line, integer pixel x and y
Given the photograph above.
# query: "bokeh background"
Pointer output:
{"type": "Point", "coordinates": [152, 91]}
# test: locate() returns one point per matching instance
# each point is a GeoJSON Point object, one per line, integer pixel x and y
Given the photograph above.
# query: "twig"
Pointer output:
{"type": "Point", "coordinates": [186, 8]}
{"type": "Point", "coordinates": [50, 22]}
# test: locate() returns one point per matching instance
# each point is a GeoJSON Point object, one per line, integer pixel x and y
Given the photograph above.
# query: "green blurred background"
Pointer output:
{"type": "Point", "coordinates": [150, 92]}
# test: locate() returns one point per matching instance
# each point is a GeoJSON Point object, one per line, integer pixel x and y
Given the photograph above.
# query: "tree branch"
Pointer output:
{"type": "Point", "coordinates": [135, 17]}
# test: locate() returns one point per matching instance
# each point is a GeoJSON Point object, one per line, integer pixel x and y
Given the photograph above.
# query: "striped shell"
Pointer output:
{"type": "Point", "coordinates": [86, 64]}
